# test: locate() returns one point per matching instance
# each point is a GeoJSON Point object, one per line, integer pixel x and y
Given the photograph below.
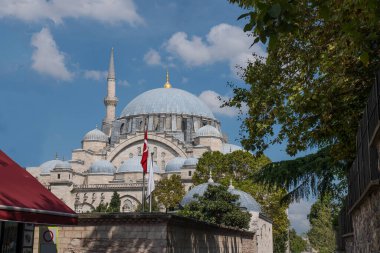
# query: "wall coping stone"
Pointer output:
{"type": "Point", "coordinates": [154, 218]}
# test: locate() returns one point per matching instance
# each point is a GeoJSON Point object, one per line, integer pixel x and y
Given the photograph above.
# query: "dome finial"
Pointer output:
{"type": "Point", "coordinates": [231, 186]}
{"type": "Point", "coordinates": [167, 84]}
{"type": "Point", "coordinates": [96, 126]}
{"type": "Point", "coordinates": [210, 180]}
{"type": "Point", "coordinates": [56, 155]}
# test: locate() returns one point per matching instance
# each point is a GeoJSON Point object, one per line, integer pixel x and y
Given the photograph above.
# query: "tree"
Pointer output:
{"type": "Point", "coordinates": [101, 208]}
{"type": "Point", "coordinates": [169, 192]}
{"type": "Point", "coordinates": [297, 244]}
{"type": "Point", "coordinates": [242, 167]}
{"type": "Point", "coordinates": [114, 206]}
{"type": "Point", "coordinates": [312, 87]}
{"type": "Point", "coordinates": [155, 207]}
{"type": "Point", "coordinates": [321, 233]}
{"type": "Point", "coordinates": [217, 206]}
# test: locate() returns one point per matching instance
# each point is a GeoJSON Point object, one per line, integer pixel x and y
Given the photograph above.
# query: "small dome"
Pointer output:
{"type": "Point", "coordinates": [96, 135]}
{"type": "Point", "coordinates": [192, 161]}
{"type": "Point", "coordinates": [246, 201]}
{"type": "Point", "coordinates": [102, 167]}
{"type": "Point", "coordinates": [175, 164]}
{"type": "Point", "coordinates": [199, 189]}
{"type": "Point", "coordinates": [63, 165]}
{"type": "Point", "coordinates": [134, 165]}
{"type": "Point", "coordinates": [229, 148]}
{"type": "Point", "coordinates": [48, 166]}
{"type": "Point", "coordinates": [208, 131]}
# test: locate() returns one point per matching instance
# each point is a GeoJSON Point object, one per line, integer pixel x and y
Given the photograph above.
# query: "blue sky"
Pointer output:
{"type": "Point", "coordinates": [55, 54]}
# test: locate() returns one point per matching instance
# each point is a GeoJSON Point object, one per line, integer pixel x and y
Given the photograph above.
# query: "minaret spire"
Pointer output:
{"type": "Point", "coordinates": [111, 68]}
{"type": "Point", "coordinates": [110, 101]}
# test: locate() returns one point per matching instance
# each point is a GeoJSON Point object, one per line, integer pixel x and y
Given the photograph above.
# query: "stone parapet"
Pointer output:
{"type": "Point", "coordinates": [150, 232]}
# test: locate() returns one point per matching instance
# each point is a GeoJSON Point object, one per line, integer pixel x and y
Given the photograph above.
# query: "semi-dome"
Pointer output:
{"type": "Point", "coordinates": [134, 165]}
{"type": "Point", "coordinates": [175, 164]}
{"type": "Point", "coordinates": [192, 161]}
{"type": "Point", "coordinates": [64, 165]}
{"type": "Point", "coordinates": [246, 201]}
{"type": "Point", "coordinates": [48, 166]}
{"type": "Point", "coordinates": [170, 101]}
{"type": "Point", "coordinates": [229, 148]}
{"type": "Point", "coordinates": [95, 135]}
{"type": "Point", "coordinates": [208, 131]}
{"type": "Point", "coordinates": [102, 167]}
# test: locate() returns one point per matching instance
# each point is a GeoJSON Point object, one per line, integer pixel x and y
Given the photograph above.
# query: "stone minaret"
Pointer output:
{"type": "Point", "coordinates": [111, 100]}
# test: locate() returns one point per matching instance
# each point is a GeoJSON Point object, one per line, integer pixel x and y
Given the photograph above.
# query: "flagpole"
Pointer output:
{"type": "Point", "coordinates": [143, 193]}
{"type": "Point", "coordinates": [151, 174]}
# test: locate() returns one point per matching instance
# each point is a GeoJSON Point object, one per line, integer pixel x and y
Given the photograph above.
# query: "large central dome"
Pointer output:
{"type": "Point", "coordinates": [171, 101]}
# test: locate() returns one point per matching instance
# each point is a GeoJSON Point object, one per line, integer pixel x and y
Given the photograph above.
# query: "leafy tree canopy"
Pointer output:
{"type": "Point", "coordinates": [297, 244]}
{"type": "Point", "coordinates": [312, 87]}
{"type": "Point", "coordinates": [217, 206]}
{"type": "Point", "coordinates": [242, 167]}
{"type": "Point", "coordinates": [321, 234]}
{"type": "Point", "coordinates": [170, 191]}
{"type": "Point", "coordinates": [114, 206]}
{"type": "Point", "coordinates": [101, 208]}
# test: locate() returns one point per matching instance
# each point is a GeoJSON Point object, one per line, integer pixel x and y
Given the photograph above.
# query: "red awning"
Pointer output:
{"type": "Point", "coordinates": [24, 199]}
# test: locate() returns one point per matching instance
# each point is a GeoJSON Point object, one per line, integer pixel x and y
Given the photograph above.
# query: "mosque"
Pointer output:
{"type": "Point", "coordinates": [180, 129]}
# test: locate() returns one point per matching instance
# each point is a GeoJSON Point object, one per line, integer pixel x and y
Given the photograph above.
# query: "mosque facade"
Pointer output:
{"type": "Point", "coordinates": [180, 129]}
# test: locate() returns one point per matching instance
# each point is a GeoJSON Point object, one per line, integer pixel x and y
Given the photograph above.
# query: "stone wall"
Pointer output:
{"type": "Point", "coordinates": [366, 224]}
{"type": "Point", "coordinates": [132, 232]}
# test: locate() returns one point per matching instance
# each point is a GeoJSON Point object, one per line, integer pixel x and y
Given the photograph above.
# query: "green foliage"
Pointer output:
{"type": "Point", "coordinates": [321, 234]}
{"type": "Point", "coordinates": [114, 206]}
{"type": "Point", "coordinates": [311, 89]}
{"type": "Point", "coordinates": [242, 167]}
{"type": "Point", "coordinates": [217, 206]}
{"type": "Point", "coordinates": [297, 244]}
{"type": "Point", "coordinates": [169, 192]}
{"type": "Point", "coordinates": [155, 207]}
{"type": "Point", "coordinates": [308, 175]}
{"type": "Point", "coordinates": [101, 208]}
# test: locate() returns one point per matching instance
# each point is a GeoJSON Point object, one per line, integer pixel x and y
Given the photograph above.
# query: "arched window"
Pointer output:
{"type": "Point", "coordinates": [139, 150]}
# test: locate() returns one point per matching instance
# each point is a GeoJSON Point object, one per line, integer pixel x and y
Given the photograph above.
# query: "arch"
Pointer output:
{"type": "Point", "coordinates": [85, 207]}
{"type": "Point", "coordinates": [140, 137]}
{"type": "Point", "coordinates": [127, 205]}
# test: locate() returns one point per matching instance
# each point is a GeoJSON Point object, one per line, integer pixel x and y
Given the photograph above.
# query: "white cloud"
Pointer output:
{"type": "Point", "coordinates": [223, 43]}
{"type": "Point", "coordinates": [185, 80]}
{"type": "Point", "coordinates": [298, 215]}
{"type": "Point", "coordinates": [124, 83]}
{"type": "Point", "coordinates": [211, 99]}
{"type": "Point", "coordinates": [152, 57]}
{"type": "Point", "coordinates": [46, 58]}
{"type": "Point", "coordinates": [96, 75]}
{"type": "Point", "coordinates": [108, 11]}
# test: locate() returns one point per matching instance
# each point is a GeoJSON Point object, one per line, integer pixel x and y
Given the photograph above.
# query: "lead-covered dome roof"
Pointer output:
{"type": "Point", "coordinates": [102, 167]}
{"type": "Point", "coordinates": [95, 135]}
{"type": "Point", "coordinates": [134, 165]}
{"type": "Point", "coordinates": [208, 131]}
{"type": "Point", "coordinates": [175, 164]}
{"type": "Point", "coordinates": [246, 201]}
{"type": "Point", "coordinates": [171, 101]}
{"type": "Point", "coordinates": [48, 166]}
{"type": "Point", "coordinates": [63, 165]}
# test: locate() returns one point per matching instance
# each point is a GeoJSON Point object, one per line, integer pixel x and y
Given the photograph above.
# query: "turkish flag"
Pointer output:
{"type": "Point", "coordinates": [145, 154]}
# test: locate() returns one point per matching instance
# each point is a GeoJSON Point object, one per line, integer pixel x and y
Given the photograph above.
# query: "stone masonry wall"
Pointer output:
{"type": "Point", "coordinates": [131, 232]}
{"type": "Point", "coordinates": [366, 224]}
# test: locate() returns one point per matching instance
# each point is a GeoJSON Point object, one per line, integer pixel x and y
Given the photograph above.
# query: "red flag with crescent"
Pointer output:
{"type": "Point", "coordinates": [145, 154]}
